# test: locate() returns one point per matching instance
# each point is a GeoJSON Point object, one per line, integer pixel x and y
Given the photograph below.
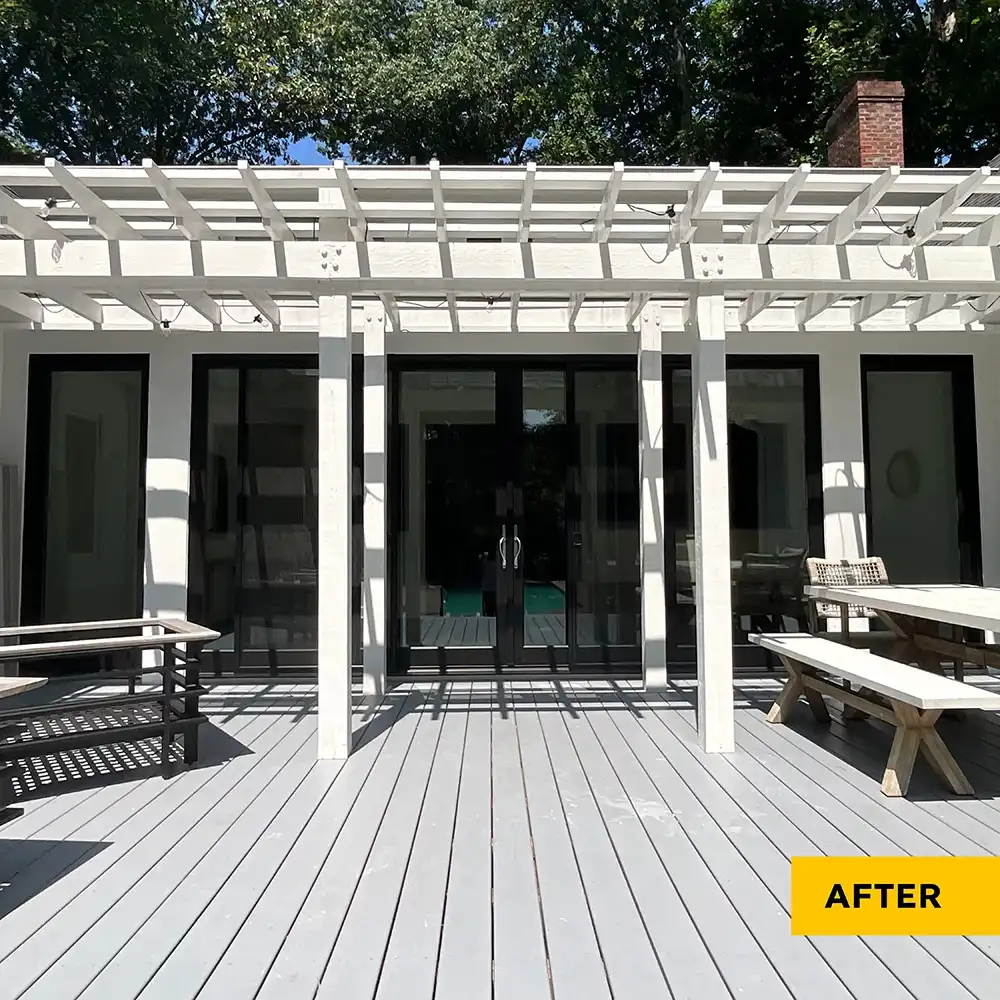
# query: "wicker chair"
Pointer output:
{"type": "Point", "coordinates": [867, 572]}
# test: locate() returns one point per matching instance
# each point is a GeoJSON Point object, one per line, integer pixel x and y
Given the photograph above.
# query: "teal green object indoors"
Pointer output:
{"type": "Point", "coordinates": [463, 603]}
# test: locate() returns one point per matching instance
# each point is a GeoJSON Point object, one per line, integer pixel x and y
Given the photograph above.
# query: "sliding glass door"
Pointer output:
{"type": "Point", "coordinates": [254, 513]}
{"type": "Point", "coordinates": [775, 498]}
{"type": "Point", "coordinates": [84, 497]}
{"type": "Point", "coordinates": [920, 441]}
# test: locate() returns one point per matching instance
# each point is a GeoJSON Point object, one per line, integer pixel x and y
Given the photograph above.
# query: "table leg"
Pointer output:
{"type": "Point", "coordinates": [915, 730]}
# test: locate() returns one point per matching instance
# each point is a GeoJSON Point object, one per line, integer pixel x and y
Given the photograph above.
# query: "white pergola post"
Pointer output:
{"type": "Point", "coordinates": [373, 591]}
{"type": "Point", "coordinates": [651, 519]}
{"type": "Point", "coordinates": [335, 653]}
{"type": "Point", "coordinates": [713, 572]}
{"type": "Point", "coordinates": [168, 484]}
{"type": "Point", "coordinates": [988, 441]}
{"type": "Point", "coordinates": [845, 523]}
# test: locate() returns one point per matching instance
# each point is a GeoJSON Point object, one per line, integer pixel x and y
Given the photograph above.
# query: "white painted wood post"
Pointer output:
{"type": "Point", "coordinates": [986, 361]}
{"type": "Point", "coordinates": [168, 485]}
{"type": "Point", "coordinates": [373, 590]}
{"type": "Point", "coordinates": [335, 653]}
{"type": "Point", "coordinates": [845, 522]}
{"type": "Point", "coordinates": [713, 572]}
{"type": "Point", "coordinates": [651, 520]}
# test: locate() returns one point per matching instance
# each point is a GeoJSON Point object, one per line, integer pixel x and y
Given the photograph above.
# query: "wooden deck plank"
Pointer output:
{"type": "Point", "coordinates": [149, 939]}
{"type": "Point", "coordinates": [686, 911]}
{"type": "Point", "coordinates": [358, 949]}
{"type": "Point", "coordinates": [411, 955]}
{"type": "Point", "coordinates": [795, 827]}
{"type": "Point", "coordinates": [40, 813]}
{"type": "Point", "coordinates": [392, 792]}
{"type": "Point", "coordinates": [802, 968]}
{"type": "Point", "coordinates": [821, 818]}
{"type": "Point", "coordinates": [631, 961]}
{"type": "Point", "coordinates": [577, 967]}
{"type": "Point", "coordinates": [220, 800]}
{"type": "Point", "coordinates": [520, 967]}
{"type": "Point", "coordinates": [46, 886]}
{"type": "Point", "coordinates": [281, 913]}
{"type": "Point", "coordinates": [466, 953]}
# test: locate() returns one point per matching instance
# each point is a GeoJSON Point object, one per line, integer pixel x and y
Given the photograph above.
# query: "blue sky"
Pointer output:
{"type": "Point", "coordinates": [305, 151]}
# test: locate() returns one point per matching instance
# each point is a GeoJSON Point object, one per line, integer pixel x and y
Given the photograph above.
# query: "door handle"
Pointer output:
{"type": "Point", "coordinates": [503, 549]}
{"type": "Point", "coordinates": [517, 547]}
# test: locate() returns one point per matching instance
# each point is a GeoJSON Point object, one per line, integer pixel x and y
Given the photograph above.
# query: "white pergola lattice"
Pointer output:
{"type": "Point", "coordinates": [496, 248]}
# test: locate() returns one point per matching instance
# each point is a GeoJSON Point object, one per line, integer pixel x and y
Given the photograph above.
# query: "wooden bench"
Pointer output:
{"type": "Point", "coordinates": [168, 710]}
{"type": "Point", "coordinates": [914, 700]}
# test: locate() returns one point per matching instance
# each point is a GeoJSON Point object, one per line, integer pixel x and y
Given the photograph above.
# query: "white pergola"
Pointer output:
{"type": "Point", "coordinates": [380, 253]}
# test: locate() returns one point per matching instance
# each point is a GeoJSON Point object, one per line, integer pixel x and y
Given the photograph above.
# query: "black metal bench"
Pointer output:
{"type": "Point", "coordinates": [169, 711]}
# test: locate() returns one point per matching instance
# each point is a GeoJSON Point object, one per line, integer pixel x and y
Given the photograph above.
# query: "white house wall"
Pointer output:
{"type": "Point", "coordinates": [168, 437]}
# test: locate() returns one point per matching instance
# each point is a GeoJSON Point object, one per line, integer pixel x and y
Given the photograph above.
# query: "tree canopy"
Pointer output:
{"type": "Point", "coordinates": [474, 81]}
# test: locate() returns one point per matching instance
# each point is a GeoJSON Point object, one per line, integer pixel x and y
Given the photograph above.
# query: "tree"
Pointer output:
{"type": "Point", "coordinates": [114, 81]}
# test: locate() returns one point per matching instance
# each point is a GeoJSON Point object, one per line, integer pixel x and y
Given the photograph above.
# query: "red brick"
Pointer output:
{"type": "Point", "coordinates": [866, 130]}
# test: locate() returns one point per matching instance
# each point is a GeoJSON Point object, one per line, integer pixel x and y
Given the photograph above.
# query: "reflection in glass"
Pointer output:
{"type": "Point", "coordinates": [606, 540]}
{"type": "Point", "coordinates": [449, 531]}
{"type": "Point", "coordinates": [540, 541]}
{"type": "Point", "coordinates": [768, 501]}
{"type": "Point", "coordinates": [278, 585]}
{"type": "Point", "coordinates": [913, 480]}
{"type": "Point", "coordinates": [92, 570]}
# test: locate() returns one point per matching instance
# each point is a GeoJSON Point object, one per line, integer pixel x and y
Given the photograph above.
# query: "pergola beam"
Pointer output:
{"type": "Point", "coordinates": [977, 309]}
{"type": "Point", "coordinates": [102, 218]}
{"type": "Point", "coordinates": [766, 226]}
{"type": "Point", "coordinates": [527, 196]}
{"type": "Point", "coordinates": [835, 233]}
{"type": "Point", "coordinates": [271, 217]}
{"type": "Point", "coordinates": [140, 303]}
{"type": "Point", "coordinates": [265, 306]}
{"type": "Point", "coordinates": [24, 222]}
{"type": "Point", "coordinates": [441, 229]}
{"type": "Point", "coordinates": [929, 219]}
{"type": "Point", "coordinates": [602, 225]}
{"type": "Point", "coordinates": [31, 309]}
{"type": "Point", "coordinates": [356, 221]}
{"type": "Point", "coordinates": [187, 219]}
{"type": "Point", "coordinates": [685, 223]}
{"type": "Point", "coordinates": [204, 305]}
{"type": "Point", "coordinates": [575, 304]}
{"type": "Point", "coordinates": [79, 303]}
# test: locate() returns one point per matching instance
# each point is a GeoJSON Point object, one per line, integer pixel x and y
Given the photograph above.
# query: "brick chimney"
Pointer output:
{"type": "Point", "coordinates": [867, 129]}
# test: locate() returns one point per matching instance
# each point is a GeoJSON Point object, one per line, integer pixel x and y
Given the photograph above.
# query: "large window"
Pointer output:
{"type": "Point", "coordinates": [920, 441]}
{"type": "Point", "coordinates": [775, 497]}
{"type": "Point", "coordinates": [254, 510]}
{"type": "Point", "coordinates": [84, 489]}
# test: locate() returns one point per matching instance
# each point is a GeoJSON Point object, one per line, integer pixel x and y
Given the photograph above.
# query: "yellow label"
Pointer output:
{"type": "Point", "coordinates": [901, 895]}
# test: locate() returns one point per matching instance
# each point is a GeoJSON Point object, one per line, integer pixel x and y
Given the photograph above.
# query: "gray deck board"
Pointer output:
{"type": "Point", "coordinates": [577, 966]}
{"type": "Point", "coordinates": [562, 840]}
{"type": "Point", "coordinates": [466, 950]}
{"type": "Point", "coordinates": [213, 806]}
{"type": "Point", "coordinates": [633, 966]}
{"type": "Point", "coordinates": [519, 950]}
{"type": "Point", "coordinates": [412, 949]}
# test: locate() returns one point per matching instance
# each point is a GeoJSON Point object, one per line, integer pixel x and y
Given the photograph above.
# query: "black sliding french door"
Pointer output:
{"type": "Point", "coordinates": [514, 536]}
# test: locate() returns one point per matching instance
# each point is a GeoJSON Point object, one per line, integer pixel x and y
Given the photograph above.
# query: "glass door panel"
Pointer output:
{"type": "Point", "coordinates": [277, 597]}
{"type": "Point", "coordinates": [921, 463]}
{"type": "Point", "coordinates": [538, 527]}
{"type": "Point", "coordinates": [450, 517]}
{"type": "Point", "coordinates": [605, 535]}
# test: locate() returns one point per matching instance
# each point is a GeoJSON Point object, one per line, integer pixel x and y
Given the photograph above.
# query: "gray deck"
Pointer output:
{"type": "Point", "coordinates": [523, 841]}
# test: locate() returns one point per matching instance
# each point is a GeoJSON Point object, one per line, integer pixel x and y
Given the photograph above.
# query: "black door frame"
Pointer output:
{"type": "Point", "coordinates": [41, 368]}
{"type": "Point", "coordinates": [510, 654]}
{"type": "Point", "coordinates": [255, 662]}
{"type": "Point", "coordinates": [963, 393]}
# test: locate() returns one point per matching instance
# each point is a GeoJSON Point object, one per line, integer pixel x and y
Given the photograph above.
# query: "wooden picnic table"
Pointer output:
{"type": "Point", "coordinates": [914, 613]}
